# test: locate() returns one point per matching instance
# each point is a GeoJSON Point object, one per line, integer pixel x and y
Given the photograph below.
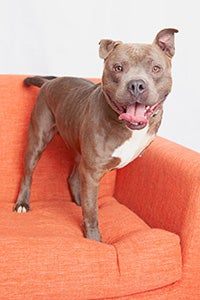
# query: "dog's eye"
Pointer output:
{"type": "Point", "coordinates": [156, 69]}
{"type": "Point", "coordinates": [118, 68]}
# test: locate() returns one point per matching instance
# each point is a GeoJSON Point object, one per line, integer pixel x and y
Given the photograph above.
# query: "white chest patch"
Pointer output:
{"type": "Point", "coordinates": [132, 147]}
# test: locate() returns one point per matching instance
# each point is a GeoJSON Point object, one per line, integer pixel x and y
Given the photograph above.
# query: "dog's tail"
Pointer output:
{"type": "Point", "coordinates": [37, 80]}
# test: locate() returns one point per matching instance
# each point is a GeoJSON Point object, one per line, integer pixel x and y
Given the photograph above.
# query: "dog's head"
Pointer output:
{"type": "Point", "coordinates": [137, 77]}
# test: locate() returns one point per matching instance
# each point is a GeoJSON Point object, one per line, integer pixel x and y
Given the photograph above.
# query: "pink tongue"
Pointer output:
{"type": "Point", "coordinates": [134, 114]}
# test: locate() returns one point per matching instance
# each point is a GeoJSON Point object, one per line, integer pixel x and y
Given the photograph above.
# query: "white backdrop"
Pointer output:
{"type": "Point", "coordinates": [61, 38]}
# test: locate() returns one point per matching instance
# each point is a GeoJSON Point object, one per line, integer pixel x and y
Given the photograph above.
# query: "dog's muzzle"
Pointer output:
{"type": "Point", "coordinates": [136, 116]}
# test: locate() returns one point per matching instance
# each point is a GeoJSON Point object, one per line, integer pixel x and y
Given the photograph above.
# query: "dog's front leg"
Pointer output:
{"type": "Point", "coordinates": [89, 183]}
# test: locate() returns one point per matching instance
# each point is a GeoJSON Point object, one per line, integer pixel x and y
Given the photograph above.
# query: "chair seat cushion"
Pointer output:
{"type": "Point", "coordinates": [45, 255]}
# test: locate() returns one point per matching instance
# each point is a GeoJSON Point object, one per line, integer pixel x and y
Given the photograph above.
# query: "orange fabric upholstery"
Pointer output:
{"type": "Point", "coordinates": [149, 217]}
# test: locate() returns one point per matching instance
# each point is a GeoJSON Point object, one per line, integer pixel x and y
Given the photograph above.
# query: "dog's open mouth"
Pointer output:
{"type": "Point", "coordinates": [136, 115]}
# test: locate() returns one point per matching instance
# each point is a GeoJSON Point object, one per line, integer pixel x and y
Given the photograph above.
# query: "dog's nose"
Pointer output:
{"type": "Point", "coordinates": [136, 87]}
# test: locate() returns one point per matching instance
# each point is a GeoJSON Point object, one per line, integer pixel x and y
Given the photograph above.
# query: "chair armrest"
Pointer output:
{"type": "Point", "coordinates": [163, 188]}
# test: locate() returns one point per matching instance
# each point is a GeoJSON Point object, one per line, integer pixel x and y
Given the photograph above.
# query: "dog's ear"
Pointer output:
{"type": "Point", "coordinates": [165, 40]}
{"type": "Point", "coordinates": [106, 47]}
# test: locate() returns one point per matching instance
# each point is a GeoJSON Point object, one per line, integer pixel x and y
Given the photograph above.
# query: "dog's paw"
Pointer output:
{"type": "Point", "coordinates": [21, 208]}
{"type": "Point", "coordinates": [93, 234]}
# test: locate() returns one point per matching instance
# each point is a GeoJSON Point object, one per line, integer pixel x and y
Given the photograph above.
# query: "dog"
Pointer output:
{"type": "Point", "coordinates": [107, 124]}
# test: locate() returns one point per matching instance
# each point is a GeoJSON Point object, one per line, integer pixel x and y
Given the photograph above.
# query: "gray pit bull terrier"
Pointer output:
{"type": "Point", "coordinates": [107, 124]}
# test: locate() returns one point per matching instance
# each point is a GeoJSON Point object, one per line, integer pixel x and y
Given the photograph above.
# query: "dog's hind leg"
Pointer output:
{"type": "Point", "coordinates": [41, 131]}
{"type": "Point", "coordinates": [74, 184]}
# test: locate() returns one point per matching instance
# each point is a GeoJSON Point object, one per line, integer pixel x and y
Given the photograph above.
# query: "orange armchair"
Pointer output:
{"type": "Point", "coordinates": [149, 215]}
